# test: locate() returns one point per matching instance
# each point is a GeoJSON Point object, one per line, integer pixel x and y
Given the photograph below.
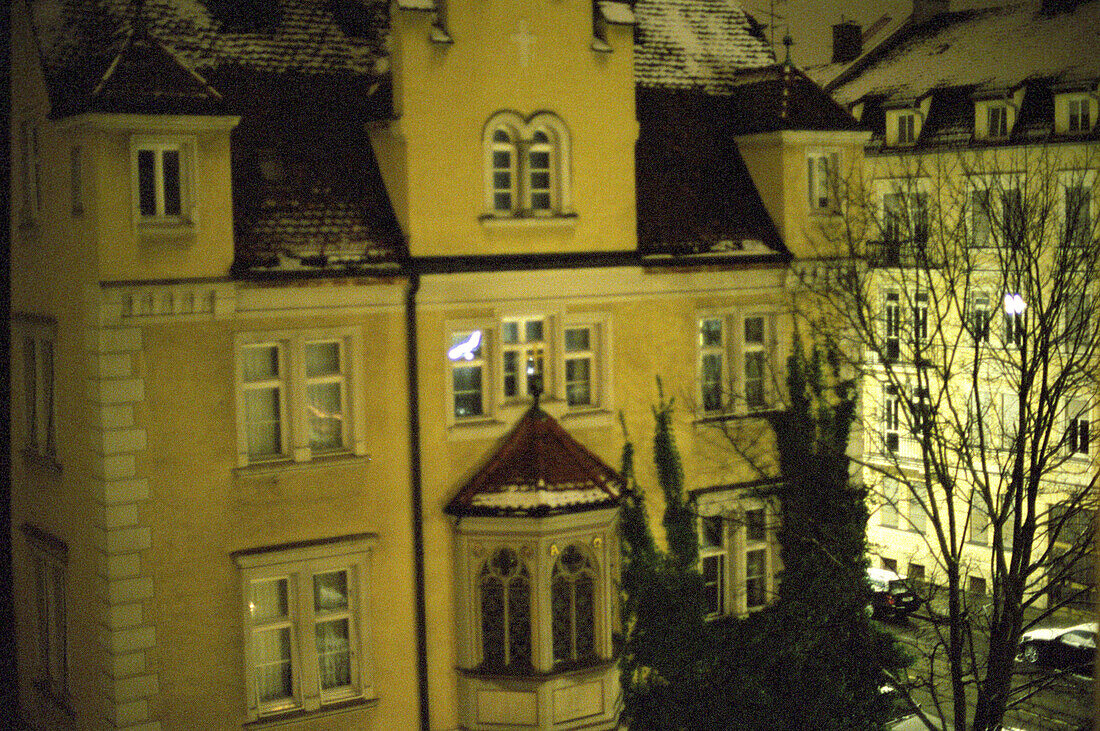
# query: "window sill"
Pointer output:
{"type": "Point", "coordinates": [559, 220]}
{"type": "Point", "coordinates": [336, 459]}
{"type": "Point", "coordinates": [293, 717]}
{"type": "Point", "coordinates": [41, 462]}
{"type": "Point", "coordinates": [719, 417]}
{"type": "Point", "coordinates": [165, 229]}
{"type": "Point", "coordinates": [477, 427]}
{"type": "Point", "coordinates": [536, 676]}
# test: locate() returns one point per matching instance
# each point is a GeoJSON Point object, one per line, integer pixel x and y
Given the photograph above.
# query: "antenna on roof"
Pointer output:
{"type": "Point", "coordinates": [788, 42]}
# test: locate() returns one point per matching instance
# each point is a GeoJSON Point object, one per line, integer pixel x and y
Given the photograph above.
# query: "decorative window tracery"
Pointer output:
{"type": "Point", "coordinates": [572, 596]}
{"type": "Point", "coordinates": [505, 593]}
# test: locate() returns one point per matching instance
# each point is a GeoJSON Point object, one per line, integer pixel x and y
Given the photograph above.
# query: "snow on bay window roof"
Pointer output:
{"type": "Point", "coordinates": [540, 470]}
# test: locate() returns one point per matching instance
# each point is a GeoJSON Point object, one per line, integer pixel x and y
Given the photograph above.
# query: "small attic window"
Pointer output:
{"type": "Point", "coordinates": [997, 120]}
{"type": "Point", "coordinates": [906, 128]}
{"type": "Point", "coordinates": [1078, 117]}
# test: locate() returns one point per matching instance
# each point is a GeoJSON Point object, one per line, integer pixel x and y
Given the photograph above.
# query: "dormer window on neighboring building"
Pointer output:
{"type": "Point", "coordinates": [997, 120]}
{"type": "Point", "coordinates": [526, 166]}
{"type": "Point", "coordinates": [1078, 118]}
{"type": "Point", "coordinates": [907, 128]}
{"type": "Point", "coordinates": [161, 180]}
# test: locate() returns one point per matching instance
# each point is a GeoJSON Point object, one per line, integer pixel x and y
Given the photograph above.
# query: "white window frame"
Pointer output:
{"type": "Point", "coordinates": [1079, 113]}
{"type": "Point", "coordinates": [920, 316]}
{"type": "Point", "coordinates": [298, 564]}
{"type": "Point", "coordinates": [293, 384]}
{"type": "Point", "coordinates": [891, 324]}
{"type": "Point", "coordinates": [748, 545]}
{"type": "Point", "coordinates": [158, 145]}
{"type": "Point", "coordinates": [714, 560]}
{"type": "Point", "coordinates": [525, 196]}
{"type": "Point", "coordinates": [38, 350]}
{"type": "Point", "coordinates": [980, 316]}
{"type": "Point", "coordinates": [823, 180]}
{"type": "Point", "coordinates": [49, 565]}
{"type": "Point", "coordinates": [533, 359]}
{"type": "Point", "coordinates": [733, 353]}
{"type": "Point", "coordinates": [996, 121]}
{"type": "Point", "coordinates": [555, 387]}
{"type": "Point", "coordinates": [906, 128]}
{"type": "Point", "coordinates": [891, 420]}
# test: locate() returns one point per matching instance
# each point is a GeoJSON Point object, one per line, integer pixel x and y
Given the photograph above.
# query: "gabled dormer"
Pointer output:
{"type": "Point", "coordinates": [1076, 107]}
{"type": "Point", "coordinates": [905, 118]}
{"type": "Point", "coordinates": [996, 112]}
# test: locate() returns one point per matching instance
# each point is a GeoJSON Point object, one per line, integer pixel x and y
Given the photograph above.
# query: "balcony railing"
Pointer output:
{"type": "Point", "coordinates": [899, 253]}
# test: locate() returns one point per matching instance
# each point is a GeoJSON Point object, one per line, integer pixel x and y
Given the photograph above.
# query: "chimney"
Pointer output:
{"type": "Point", "coordinates": [925, 9]}
{"type": "Point", "coordinates": [847, 41]}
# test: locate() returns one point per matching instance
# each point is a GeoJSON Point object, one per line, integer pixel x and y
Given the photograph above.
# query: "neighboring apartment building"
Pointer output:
{"type": "Point", "coordinates": [984, 146]}
{"type": "Point", "coordinates": [324, 315]}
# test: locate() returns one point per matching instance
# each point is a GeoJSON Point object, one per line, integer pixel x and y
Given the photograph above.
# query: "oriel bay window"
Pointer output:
{"type": "Point", "coordinates": [295, 394]}
{"type": "Point", "coordinates": [305, 609]}
{"type": "Point", "coordinates": [572, 607]}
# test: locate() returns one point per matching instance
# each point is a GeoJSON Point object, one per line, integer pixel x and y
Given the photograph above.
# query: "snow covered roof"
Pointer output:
{"type": "Point", "coordinates": [80, 39]}
{"type": "Point", "coordinates": [996, 48]}
{"type": "Point", "coordinates": [695, 44]}
{"type": "Point", "coordinates": [954, 59]}
{"type": "Point", "coordinates": [540, 470]}
{"type": "Point", "coordinates": [782, 97]}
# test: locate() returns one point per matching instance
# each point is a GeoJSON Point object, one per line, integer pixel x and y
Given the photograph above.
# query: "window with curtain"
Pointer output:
{"type": "Point", "coordinates": [305, 609]}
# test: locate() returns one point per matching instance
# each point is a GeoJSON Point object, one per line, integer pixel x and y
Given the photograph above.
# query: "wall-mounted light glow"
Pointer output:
{"type": "Point", "coordinates": [466, 349]}
{"type": "Point", "coordinates": [1014, 304]}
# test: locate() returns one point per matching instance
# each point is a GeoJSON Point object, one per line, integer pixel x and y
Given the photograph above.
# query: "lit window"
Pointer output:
{"type": "Point", "coordinates": [526, 166]}
{"type": "Point", "coordinates": [1078, 115]}
{"type": "Point", "coordinates": [522, 350]}
{"type": "Point", "coordinates": [39, 398]}
{"type": "Point", "coordinates": [712, 558]}
{"type": "Point", "coordinates": [467, 361]}
{"type": "Point", "coordinates": [49, 561]}
{"type": "Point", "coordinates": [822, 180]}
{"type": "Point", "coordinates": [907, 125]}
{"type": "Point", "coordinates": [997, 120]}
{"type": "Point", "coordinates": [573, 607]}
{"type": "Point", "coordinates": [294, 396]}
{"type": "Point", "coordinates": [505, 610]}
{"type": "Point", "coordinates": [161, 169]}
{"type": "Point", "coordinates": [1015, 325]}
{"type": "Point", "coordinates": [304, 608]}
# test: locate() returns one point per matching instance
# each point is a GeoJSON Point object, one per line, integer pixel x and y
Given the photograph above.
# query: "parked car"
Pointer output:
{"type": "Point", "coordinates": [1069, 649]}
{"type": "Point", "coordinates": [890, 594]}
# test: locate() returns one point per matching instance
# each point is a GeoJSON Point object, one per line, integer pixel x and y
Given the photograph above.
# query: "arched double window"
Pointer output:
{"type": "Point", "coordinates": [505, 594]}
{"type": "Point", "coordinates": [526, 166]}
{"type": "Point", "coordinates": [573, 607]}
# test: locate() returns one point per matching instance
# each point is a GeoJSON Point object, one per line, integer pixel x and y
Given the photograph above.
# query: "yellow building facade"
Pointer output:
{"type": "Point", "coordinates": [323, 323]}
